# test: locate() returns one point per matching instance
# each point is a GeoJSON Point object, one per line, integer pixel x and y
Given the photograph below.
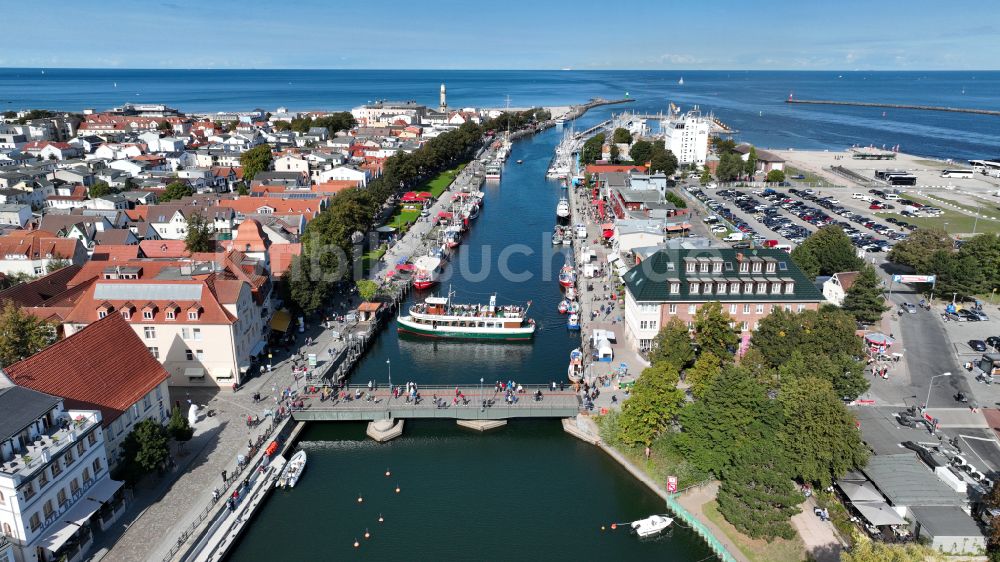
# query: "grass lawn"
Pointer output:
{"type": "Point", "coordinates": [958, 223]}
{"type": "Point", "coordinates": [402, 218]}
{"type": "Point", "coordinates": [664, 461]}
{"type": "Point", "coordinates": [757, 550]}
{"type": "Point", "coordinates": [437, 185]}
{"type": "Point", "coordinates": [370, 258]}
{"type": "Point", "coordinates": [809, 177]}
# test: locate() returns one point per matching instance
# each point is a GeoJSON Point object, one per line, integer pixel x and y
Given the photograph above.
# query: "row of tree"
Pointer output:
{"type": "Point", "coordinates": [334, 122]}
{"type": "Point", "coordinates": [775, 416]}
{"type": "Point", "coordinates": [972, 269]}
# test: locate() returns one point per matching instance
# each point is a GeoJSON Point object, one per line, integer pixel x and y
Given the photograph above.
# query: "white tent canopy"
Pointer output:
{"type": "Point", "coordinates": [860, 492]}
{"type": "Point", "coordinates": [879, 514]}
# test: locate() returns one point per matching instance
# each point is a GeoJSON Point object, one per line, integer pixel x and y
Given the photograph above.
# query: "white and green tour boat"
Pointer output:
{"type": "Point", "coordinates": [438, 317]}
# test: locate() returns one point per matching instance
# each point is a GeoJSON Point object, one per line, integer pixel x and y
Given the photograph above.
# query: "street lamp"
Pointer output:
{"type": "Point", "coordinates": [929, 387]}
{"type": "Point", "coordinates": [482, 400]}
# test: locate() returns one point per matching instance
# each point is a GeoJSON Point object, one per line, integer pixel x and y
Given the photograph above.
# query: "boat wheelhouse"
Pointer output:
{"type": "Point", "coordinates": [438, 317]}
{"type": "Point", "coordinates": [428, 270]}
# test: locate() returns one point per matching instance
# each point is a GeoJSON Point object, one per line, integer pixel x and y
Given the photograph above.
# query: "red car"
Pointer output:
{"type": "Point", "coordinates": [876, 206]}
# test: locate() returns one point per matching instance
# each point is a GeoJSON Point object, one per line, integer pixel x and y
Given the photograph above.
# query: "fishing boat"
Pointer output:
{"type": "Point", "coordinates": [471, 211]}
{"type": "Point", "coordinates": [575, 370]}
{"type": "Point", "coordinates": [574, 322]}
{"type": "Point", "coordinates": [652, 525]}
{"type": "Point", "coordinates": [453, 236]}
{"type": "Point", "coordinates": [428, 270]}
{"type": "Point", "coordinates": [439, 317]}
{"type": "Point", "coordinates": [562, 209]}
{"type": "Point", "coordinates": [293, 470]}
{"type": "Point", "coordinates": [571, 293]}
{"type": "Point", "coordinates": [567, 237]}
{"type": "Point", "coordinates": [563, 307]}
{"type": "Point", "coordinates": [567, 276]}
{"type": "Point", "coordinates": [557, 238]}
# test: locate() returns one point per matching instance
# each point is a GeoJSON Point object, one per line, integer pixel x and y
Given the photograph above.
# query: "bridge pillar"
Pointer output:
{"type": "Point", "coordinates": [385, 430]}
{"type": "Point", "coordinates": [481, 425]}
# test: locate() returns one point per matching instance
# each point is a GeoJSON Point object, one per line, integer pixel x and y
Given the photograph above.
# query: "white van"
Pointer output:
{"type": "Point", "coordinates": [734, 237]}
{"type": "Point", "coordinates": [857, 196]}
{"type": "Point", "coordinates": [891, 197]}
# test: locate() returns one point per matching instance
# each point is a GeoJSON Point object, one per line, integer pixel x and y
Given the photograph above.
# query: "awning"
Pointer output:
{"type": "Point", "coordinates": [608, 233]}
{"type": "Point", "coordinates": [879, 514]}
{"type": "Point", "coordinates": [280, 321]}
{"type": "Point", "coordinates": [68, 524]}
{"type": "Point", "coordinates": [194, 372]}
{"type": "Point", "coordinates": [860, 492]}
{"type": "Point", "coordinates": [103, 490]}
{"type": "Point", "coordinates": [876, 338]}
{"type": "Point", "coordinates": [259, 346]}
{"type": "Point", "coordinates": [386, 229]}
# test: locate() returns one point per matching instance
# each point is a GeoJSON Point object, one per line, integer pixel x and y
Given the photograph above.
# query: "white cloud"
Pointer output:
{"type": "Point", "coordinates": [674, 58]}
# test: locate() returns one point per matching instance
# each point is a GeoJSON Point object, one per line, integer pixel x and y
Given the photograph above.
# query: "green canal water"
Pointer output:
{"type": "Point", "coordinates": [524, 492]}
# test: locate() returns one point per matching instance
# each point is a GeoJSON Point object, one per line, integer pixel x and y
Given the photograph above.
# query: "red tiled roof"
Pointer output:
{"type": "Point", "coordinates": [37, 245]}
{"type": "Point", "coordinates": [34, 293]}
{"type": "Point", "coordinates": [604, 168]}
{"type": "Point", "coordinates": [103, 366]}
{"type": "Point", "coordinates": [164, 248]}
{"type": "Point", "coordinates": [281, 257]}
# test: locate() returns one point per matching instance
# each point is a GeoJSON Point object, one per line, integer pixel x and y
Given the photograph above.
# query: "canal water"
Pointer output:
{"type": "Point", "coordinates": [527, 491]}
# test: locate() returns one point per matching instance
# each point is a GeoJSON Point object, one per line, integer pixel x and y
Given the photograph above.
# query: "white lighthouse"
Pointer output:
{"type": "Point", "coordinates": [444, 103]}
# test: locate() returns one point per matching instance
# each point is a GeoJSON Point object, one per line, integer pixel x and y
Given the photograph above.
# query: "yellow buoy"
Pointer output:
{"type": "Point", "coordinates": [602, 527]}
{"type": "Point", "coordinates": [397, 488]}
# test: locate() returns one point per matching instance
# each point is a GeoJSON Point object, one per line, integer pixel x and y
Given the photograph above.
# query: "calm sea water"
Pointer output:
{"type": "Point", "coordinates": [752, 102]}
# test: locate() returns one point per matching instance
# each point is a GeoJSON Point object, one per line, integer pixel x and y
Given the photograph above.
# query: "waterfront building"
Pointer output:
{"type": "Point", "coordinates": [750, 285]}
{"type": "Point", "coordinates": [385, 112]}
{"type": "Point", "coordinates": [766, 160]}
{"type": "Point", "coordinates": [686, 135]}
{"type": "Point", "coordinates": [105, 367]}
{"type": "Point", "coordinates": [54, 481]}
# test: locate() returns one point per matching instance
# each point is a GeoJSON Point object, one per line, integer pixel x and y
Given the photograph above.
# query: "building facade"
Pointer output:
{"type": "Point", "coordinates": [687, 137]}
{"type": "Point", "coordinates": [676, 283]}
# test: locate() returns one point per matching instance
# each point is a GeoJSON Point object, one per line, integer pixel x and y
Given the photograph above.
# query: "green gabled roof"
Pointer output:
{"type": "Point", "coordinates": [650, 280]}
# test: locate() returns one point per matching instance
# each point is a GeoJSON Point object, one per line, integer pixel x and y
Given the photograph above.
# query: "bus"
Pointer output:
{"type": "Point", "coordinates": [964, 174]}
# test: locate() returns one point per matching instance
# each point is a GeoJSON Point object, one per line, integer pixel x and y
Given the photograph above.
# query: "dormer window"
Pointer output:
{"type": "Point", "coordinates": [104, 309]}
{"type": "Point", "coordinates": [675, 288]}
{"type": "Point", "coordinates": [126, 314]}
{"type": "Point", "coordinates": [194, 313]}
{"type": "Point", "coordinates": [720, 288]}
{"type": "Point", "coordinates": [762, 288]}
{"type": "Point", "coordinates": [734, 288]}
{"type": "Point", "coordinates": [748, 287]}
{"type": "Point", "coordinates": [776, 288]}
{"type": "Point", "coordinates": [717, 267]}
{"type": "Point", "coordinates": [744, 267]}
{"type": "Point", "coordinates": [148, 311]}
{"type": "Point", "coordinates": [756, 267]}
{"type": "Point", "coordinates": [770, 267]}
{"type": "Point", "coordinates": [790, 288]}
{"type": "Point", "coordinates": [690, 267]}
{"type": "Point", "coordinates": [704, 267]}
{"type": "Point", "coordinates": [694, 287]}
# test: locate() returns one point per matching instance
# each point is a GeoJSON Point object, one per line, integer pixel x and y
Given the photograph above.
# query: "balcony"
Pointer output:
{"type": "Point", "coordinates": [48, 445]}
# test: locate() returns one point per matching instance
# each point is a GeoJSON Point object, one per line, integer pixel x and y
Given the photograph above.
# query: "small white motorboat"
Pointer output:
{"type": "Point", "coordinates": [651, 525]}
{"type": "Point", "coordinates": [574, 322]}
{"type": "Point", "coordinates": [293, 470]}
{"type": "Point", "coordinates": [562, 209]}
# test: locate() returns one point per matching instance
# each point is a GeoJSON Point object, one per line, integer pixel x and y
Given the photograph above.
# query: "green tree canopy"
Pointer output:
{"type": "Point", "coordinates": [662, 160]}
{"type": "Point", "coordinates": [621, 136]}
{"type": "Point", "coordinates": [706, 176]}
{"type": "Point", "coordinates": [641, 151]}
{"type": "Point", "coordinates": [256, 160]}
{"type": "Point", "coordinates": [917, 250]}
{"type": "Point", "coordinates": [756, 494]}
{"type": "Point", "coordinates": [592, 149]}
{"type": "Point", "coordinates": [199, 234]}
{"type": "Point", "coordinates": [750, 166]}
{"type": "Point", "coordinates": [655, 401]}
{"type": "Point", "coordinates": [100, 189]}
{"type": "Point", "coordinates": [367, 289]}
{"type": "Point", "coordinates": [864, 549]}
{"type": "Point", "coordinates": [825, 252]}
{"type": "Point", "coordinates": [178, 426]}
{"type": "Point", "coordinates": [712, 332]}
{"type": "Point", "coordinates": [242, 189]}
{"type": "Point", "coordinates": [864, 300]}
{"type": "Point", "coordinates": [176, 190]}
{"type": "Point", "coordinates": [733, 412]}
{"type": "Point", "coordinates": [146, 446]}
{"type": "Point", "coordinates": [21, 335]}
{"type": "Point", "coordinates": [673, 345]}
{"type": "Point", "coordinates": [615, 153]}
{"type": "Point", "coordinates": [700, 375]}
{"type": "Point", "coordinates": [819, 435]}
{"type": "Point", "coordinates": [775, 176]}
{"type": "Point", "coordinates": [730, 167]}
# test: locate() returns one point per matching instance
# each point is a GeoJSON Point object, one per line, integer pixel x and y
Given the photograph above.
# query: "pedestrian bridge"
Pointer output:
{"type": "Point", "coordinates": [383, 406]}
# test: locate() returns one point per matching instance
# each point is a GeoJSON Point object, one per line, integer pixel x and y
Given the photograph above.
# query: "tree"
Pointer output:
{"type": "Point", "coordinates": [146, 446]}
{"type": "Point", "coordinates": [863, 549]}
{"type": "Point", "coordinates": [367, 289]}
{"type": "Point", "coordinates": [176, 190]}
{"type": "Point", "coordinates": [723, 146]}
{"type": "Point", "coordinates": [673, 345]}
{"type": "Point", "coordinates": [706, 176]}
{"type": "Point", "coordinates": [199, 234]}
{"type": "Point", "coordinates": [615, 153]}
{"type": "Point", "coordinates": [756, 494]}
{"type": "Point", "coordinates": [592, 149]}
{"type": "Point", "coordinates": [621, 136]}
{"type": "Point", "coordinates": [825, 252]}
{"type": "Point", "coordinates": [734, 411]}
{"type": "Point", "coordinates": [750, 166]}
{"type": "Point", "coordinates": [641, 151]}
{"type": "Point", "coordinates": [820, 435]}
{"type": "Point", "coordinates": [178, 426]}
{"type": "Point", "coordinates": [662, 160]}
{"type": "Point", "coordinates": [56, 264]}
{"type": "Point", "coordinates": [100, 189]}
{"type": "Point", "coordinates": [712, 332]}
{"type": "Point", "coordinates": [242, 189]}
{"type": "Point", "coordinates": [256, 160]}
{"type": "Point", "coordinates": [165, 126]}
{"type": "Point", "coordinates": [775, 176]}
{"type": "Point", "coordinates": [21, 335]}
{"type": "Point", "coordinates": [700, 375]}
{"type": "Point", "coordinates": [916, 251]}
{"type": "Point", "coordinates": [730, 167]}
{"type": "Point", "coordinates": [653, 403]}
{"type": "Point", "coordinates": [864, 300]}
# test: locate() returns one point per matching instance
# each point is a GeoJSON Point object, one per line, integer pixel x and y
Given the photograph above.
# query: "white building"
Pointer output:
{"type": "Point", "coordinates": [54, 482]}
{"type": "Point", "coordinates": [836, 287]}
{"type": "Point", "coordinates": [16, 215]}
{"type": "Point", "coordinates": [687, 136]}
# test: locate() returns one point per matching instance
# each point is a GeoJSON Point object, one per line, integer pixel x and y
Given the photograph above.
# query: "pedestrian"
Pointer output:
{"type": "Point", "coordinates": [223, 475]}
{"type": "Point", "coordinates": [647, 452]}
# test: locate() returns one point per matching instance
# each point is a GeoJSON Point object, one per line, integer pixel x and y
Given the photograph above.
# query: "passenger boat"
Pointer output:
{"type": "Point", "coordinates": [562, 209]}
{"type": "Point", "coordinates": [292, 471]}
{"type": "Point", "coordinates": [493, 171]}
{"type": "Point", "coordinates": [575, 370]}
{"type": "Point", "coordinates": [651, 525]}
{"type": "Point", "coordinates": [428, 270]}
{"type": "Point", "coordinates": [438, 317]}
{"type": "Point", "coordinates": [574, 322]}
{"type": "Point", "coordinates": [567, 276]}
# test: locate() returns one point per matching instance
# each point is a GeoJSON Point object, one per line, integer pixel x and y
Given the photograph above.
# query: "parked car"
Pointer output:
{"type": "Point", "coordinates": [980, 315]}
{"type": "Point", "coordinates": [993, 341]}
{"type": "Point", "coordinates": [968, 315]}
{"type": "Point", "coordinates": [977, 345]}
{"type": "Point", "coordinates": [908, 307]}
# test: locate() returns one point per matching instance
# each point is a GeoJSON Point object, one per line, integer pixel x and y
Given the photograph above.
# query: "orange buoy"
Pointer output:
{"type": "Point", "coordinates": [614, 526]}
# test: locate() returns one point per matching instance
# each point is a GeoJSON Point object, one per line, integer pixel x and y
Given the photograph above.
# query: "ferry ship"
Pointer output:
{"type": "Point", "coordinates": [438, 317]}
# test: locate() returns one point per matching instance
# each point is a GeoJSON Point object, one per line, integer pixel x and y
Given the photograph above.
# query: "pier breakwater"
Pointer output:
{"type": "Point", "coordinates": [896, 106]}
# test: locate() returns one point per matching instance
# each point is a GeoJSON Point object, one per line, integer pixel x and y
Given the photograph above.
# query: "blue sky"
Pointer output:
{"type": "Point", "coordinates": [517, 34]}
